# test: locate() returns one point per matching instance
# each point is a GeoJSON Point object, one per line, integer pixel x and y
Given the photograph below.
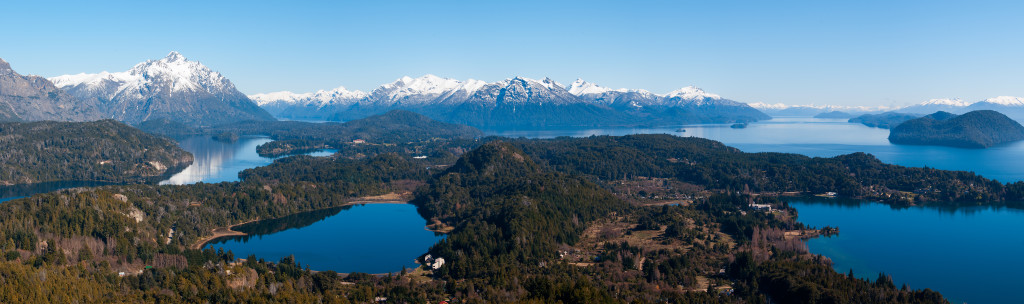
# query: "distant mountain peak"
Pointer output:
{"type": "Point", "coordinates": [173, 86]}
{"type": "Point", "coordinates": [518, 101]}
{"type": "Point", "coordinates": [339, 95]}
{"type": "Point", "coordinates": [580, 87]}
{"type": "Point", "coordinates": [955, 102]}
{"type": "Point", "coordinates": [1007, 101]}
{"type": "Point", "coordinates": [4, 66]}
{"type": "Point", "coordinates": [175, 56]}
{"type": "Point", "coordinates": [691, 93]}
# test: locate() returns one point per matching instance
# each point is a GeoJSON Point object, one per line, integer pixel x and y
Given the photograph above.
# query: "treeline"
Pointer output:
{"type": "Point", "coordinates": [104, 150]}
{"type": "Point", "coordinates": [713, 165]}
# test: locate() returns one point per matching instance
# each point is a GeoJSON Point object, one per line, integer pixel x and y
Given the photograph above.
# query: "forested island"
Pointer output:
{"type": "Point", "coordinates": [886, 120]}
{"type": "Point", "coordinates": [567, 219]}
{"type": "Point", "coordinates": [105, 150]}
{"type": "Point", "coordinates": [975, 129]}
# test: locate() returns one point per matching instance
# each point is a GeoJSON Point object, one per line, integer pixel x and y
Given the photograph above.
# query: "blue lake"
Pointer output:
{"type": "Point", "coordinates": [217, 161]}
{"type": "Point", "coordinates": [371, 238]}
{"type": "Point", "coordinates": [969, 254]}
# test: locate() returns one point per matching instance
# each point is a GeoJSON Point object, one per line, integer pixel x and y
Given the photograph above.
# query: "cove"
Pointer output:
{"type": "Point", "coordinates": [369, 238]}
{"type": "Point", "coordinates": [968, 254]}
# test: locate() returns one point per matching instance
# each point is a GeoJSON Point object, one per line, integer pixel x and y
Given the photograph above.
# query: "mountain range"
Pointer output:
{"type": "Point", "coordinates": [513, 102]}
{"type": "Point", "coordinates": [1012, 107]}
{"type": "Point", "coordinates": [784, 110]}
{"type": "Point", "coordinates": [169, 88]}
{"type": "Point", "coordinates": [178, 91]}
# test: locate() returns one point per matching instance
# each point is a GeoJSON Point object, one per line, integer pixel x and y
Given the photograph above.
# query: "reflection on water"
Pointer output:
{"type": "Point", "coordinates": [968, 254]}
{"type": "Point", "coordinates": [295, 221]}
{"type": "Point", "coordinates": [372, 238]}
{"type": "Point", "coordinates": [25, 190]}
{"type": "Point", "coordinates": [217, 161]}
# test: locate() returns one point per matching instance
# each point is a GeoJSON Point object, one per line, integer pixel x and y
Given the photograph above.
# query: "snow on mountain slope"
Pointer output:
{"type": "Point", "coordinates": [692, 93]}
{"type": "Point", "coordinates": [171, 87]}
{"type": "Point", "coordinates": [173, 74]}
{"type": "Point", "coordinates": [953, 102]}
{"type": "Point", "coordinates": [581, 87]}
{"type": "Point", "coordinates": [427, 89]}
{"type": "Point", "coordinates": [1006, 101]}
{"type": "Point", "coordinates": [521, 90]}
{"type": "Point", "coordinates": [339, 95]}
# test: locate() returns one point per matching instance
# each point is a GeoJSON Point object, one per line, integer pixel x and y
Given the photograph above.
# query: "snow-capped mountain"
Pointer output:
{"type": "Point", "coordinates": [522, 91]}
{"type": "Point", "coordinates": [784, 110]}
{"type": "Point", "coordinates": [1005, 104]}
{"type": "Point", "coordinates": [172, 87]}
{"type": "Point", "coordinates": [518, 101]}
{"type": "Point", "coordinates": [581, 87]}
{"type": "Point", "coordinates": [424, 90]}
{"type": "Point", "coordinates": [1009, 101]}
{"type": "Point", "coordinates": [339, 95]}
{"type": "Point", "coordinates": [31, 98]}
{"type": "Point", "coordinates": [294, 105]}
{"type": "Point", "coordinates": [620, 98]}
{"type": "Point", "coordinates": [952, 105]}
{"type": "Point", "coordinates": [1010, 106]}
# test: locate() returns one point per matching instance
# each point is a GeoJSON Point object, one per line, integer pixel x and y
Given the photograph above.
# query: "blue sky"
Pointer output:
{"type": "Point", "coordinates": [794, 52]}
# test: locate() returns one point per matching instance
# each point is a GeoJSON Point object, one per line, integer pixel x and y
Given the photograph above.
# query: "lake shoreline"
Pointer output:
{"type": "Point", "coordinates": [228, 231]}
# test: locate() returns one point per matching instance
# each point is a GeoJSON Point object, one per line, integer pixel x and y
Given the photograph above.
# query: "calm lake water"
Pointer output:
{"type": "Point", "coordinates": [969, 254]}
{"type": "Point", "coordinates": [217, 161]}
{"type": "Point", "coordinates": [371, 238]}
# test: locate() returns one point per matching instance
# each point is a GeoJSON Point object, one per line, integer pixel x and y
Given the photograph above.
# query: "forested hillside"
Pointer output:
{"type": "Point", "coordinates": [887, 120]}
{"type": "Point", "coordinates": [711, 164]}
{"type": "Point", "coordinates": [103, 150]}
{"type": "Point", "coordinates": [975, 129]}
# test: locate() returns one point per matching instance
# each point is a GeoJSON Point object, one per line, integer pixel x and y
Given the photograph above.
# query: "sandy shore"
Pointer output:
{"type": "Point", "coordinates": [220, 232]}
